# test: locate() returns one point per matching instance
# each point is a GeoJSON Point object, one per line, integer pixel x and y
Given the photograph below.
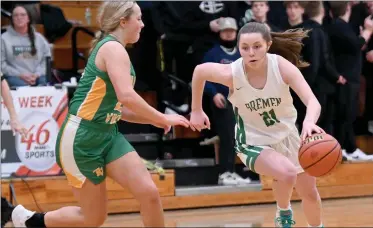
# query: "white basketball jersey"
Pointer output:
{"type": "Point", "coordinates": [264, 116]}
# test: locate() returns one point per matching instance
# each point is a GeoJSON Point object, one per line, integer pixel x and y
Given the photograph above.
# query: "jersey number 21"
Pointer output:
{"type": "Point", "coordinates": [269, 117]}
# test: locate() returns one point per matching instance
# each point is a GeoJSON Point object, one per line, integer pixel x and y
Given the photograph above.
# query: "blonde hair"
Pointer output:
{"type": "Point", "coordinates": [109, 16]}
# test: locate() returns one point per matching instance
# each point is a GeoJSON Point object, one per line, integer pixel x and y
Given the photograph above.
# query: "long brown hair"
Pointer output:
{"type": "Point", "coordinates": [30, 29]}
{"type": "Point", "coordinates": [287, 44]}
{"type": "Point", "coordinates": [109, 16]}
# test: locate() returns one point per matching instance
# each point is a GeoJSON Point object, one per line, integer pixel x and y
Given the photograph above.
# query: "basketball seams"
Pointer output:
{"type": "Point", "coordinates": [336, 162]}
{"type": "Point", "coordinates": [300, 155]}
{"type": "Point", "coordinates": [321, 157]}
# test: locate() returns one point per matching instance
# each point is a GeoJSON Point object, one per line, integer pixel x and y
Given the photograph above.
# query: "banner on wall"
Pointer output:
{"type": "Point", "coordinates": [42, 111]}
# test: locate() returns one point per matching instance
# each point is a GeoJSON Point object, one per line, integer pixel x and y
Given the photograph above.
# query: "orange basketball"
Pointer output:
{"type": "Point", "coordinates": [320, 154]}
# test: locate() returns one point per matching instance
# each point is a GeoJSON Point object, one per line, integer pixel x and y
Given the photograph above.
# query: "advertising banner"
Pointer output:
{"type": "Point", "coordinates": [42, 111]}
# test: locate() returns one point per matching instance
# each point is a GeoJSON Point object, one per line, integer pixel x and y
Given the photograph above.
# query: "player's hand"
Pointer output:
{"type": "Point", "coordinates": [16, 126]}
{"type": "Point", "coordinates": [369, 56]}
{"type": "Point", "coordinates": [219, 100]}
{"type": "Point", "coordinates": [172, 120]}
{"type": "Point", "coordinates": [309, 128]}
{"type": "Point", "coordinates": [199, 120]}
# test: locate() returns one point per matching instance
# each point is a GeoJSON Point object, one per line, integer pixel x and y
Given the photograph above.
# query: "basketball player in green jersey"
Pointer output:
{"type": "Point", "coordinates": [89, 147]}
{"type": "Point", "coordinates": [267, 140]}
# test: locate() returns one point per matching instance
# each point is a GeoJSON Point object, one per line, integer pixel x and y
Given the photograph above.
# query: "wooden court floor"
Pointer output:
{"type": "Point", "coordinates": [352, 212]}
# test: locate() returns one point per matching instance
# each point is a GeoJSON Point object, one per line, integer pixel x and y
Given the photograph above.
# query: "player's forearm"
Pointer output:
{"type": "Point", "coordinates": [313, 111]}
{"type": "Point", "coordinates": [130, 116]}
{"type": "Point", "coordinates": [198, 84]}
{"type": "Point", "coordinates": [136, 104]}
{"type": "Point", "coordinates": [8, 100]}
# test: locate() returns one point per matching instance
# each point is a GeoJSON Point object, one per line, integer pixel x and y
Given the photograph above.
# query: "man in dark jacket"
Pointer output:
{"type": "Point", "coordinates": [347, 50]}
{"type": "Point", "coordinates": [321, 75]}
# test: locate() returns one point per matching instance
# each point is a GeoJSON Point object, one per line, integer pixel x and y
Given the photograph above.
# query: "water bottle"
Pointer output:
{"type": "Point", "coordinates": [88, 16]}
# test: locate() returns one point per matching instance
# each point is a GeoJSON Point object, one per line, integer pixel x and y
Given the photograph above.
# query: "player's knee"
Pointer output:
{"type": "Point", "coordinates": [150, 194]}
{"type": "Point", "coordinates": [95, 221]}
{"type": "Point", "coordinates": [289, 176]}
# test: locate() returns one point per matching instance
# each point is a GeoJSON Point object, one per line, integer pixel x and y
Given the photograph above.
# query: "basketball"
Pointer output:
{"type": "Point", "coordinates": [320, 154]}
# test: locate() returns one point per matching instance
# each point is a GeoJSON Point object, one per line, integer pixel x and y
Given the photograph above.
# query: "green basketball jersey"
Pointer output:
{"type": "Point", "coordinates": [95, 99]}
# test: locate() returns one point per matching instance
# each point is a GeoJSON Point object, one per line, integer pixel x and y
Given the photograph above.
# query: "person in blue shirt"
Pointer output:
{"type": "Point", "coordinates": [223, 121]}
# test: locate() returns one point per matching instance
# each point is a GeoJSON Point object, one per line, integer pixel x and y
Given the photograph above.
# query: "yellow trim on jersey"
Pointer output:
{"type": "Point", "coordinates": [74, 176]}
{"type": "Point", "coordinates": [92, 102]}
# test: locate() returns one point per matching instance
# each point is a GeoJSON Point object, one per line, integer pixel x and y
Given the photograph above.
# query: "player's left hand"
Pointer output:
{"type": "Point", "coordinates": [309, 128]}
{"type": "Point", "coordinates": [17, 127]}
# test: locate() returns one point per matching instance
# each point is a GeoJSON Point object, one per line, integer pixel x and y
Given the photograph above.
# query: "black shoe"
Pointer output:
{"type": "Point", "coordinates": [6, 211]}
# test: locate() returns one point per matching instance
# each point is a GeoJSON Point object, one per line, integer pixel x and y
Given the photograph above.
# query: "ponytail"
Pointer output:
{"type": "Point", "coordinates": [98, 37]}
{"type": "Point", "coordinates": [289, 45]}
{"type": "Point", "coordinates": [31, 35]}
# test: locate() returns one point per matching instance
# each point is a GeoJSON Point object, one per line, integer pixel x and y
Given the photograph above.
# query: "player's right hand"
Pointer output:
{"type": "Point", "coordinates": [172, 120]}
{"type": "Point", "coordinates": [175, 119]}
{"type": "Point", "coordinates": [199, 120]}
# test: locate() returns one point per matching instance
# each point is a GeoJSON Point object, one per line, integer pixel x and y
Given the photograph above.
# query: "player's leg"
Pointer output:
{"type": "Point", "coordinates": [91, 211]}
{"type": "Point", "coordinates": [74, 145]}
{"type": "Point", "coordinates": [306, 184]}
{"type": "Point", "coordinates": [126, 167]}
{"type": "Point", "coordinates": [266, 161]}
{"type": "Point", "coordinates": [311, 201]}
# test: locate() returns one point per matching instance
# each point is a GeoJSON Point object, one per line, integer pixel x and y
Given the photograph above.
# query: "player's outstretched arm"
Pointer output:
{"type": "Point", "coordinates": [117, 65]}
{"type": "Point", "coordinates": [130, 116]}
{"type": "Point", "coordinates": [213, 72]}
{"type": "Point", "coordinates": [8, 102]}
{"type": "Point", "coordinates": [294, 78]}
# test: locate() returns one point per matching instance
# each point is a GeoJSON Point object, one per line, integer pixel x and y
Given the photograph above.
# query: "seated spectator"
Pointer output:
{"type": "Point", "coordinates": [223, 121]}
{"type": "Point", "coordinates": [23, 51]}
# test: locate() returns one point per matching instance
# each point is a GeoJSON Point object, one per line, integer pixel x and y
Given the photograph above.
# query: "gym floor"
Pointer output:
{"type": "Point", "coordinates": [351, 212]}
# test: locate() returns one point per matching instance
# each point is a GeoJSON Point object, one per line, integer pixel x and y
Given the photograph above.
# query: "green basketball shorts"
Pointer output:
{"type": "Point", "coordinates": [84, 148]}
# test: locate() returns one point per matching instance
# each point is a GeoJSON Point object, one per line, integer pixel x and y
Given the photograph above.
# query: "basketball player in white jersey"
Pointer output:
{"type": "Point", "coordinates": [267, 139]}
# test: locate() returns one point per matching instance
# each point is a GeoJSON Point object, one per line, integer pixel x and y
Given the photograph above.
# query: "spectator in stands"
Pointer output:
{"type": "Point", "coordinates": [260, 10]}
{"type": "Point", "coordinates": [223, 121]}
{"type": "Point", "coordinates": [245, 13]}
{"type": "Point", "coordinates": [321, 75]}
{"type": "Point", "coordinates": [188, 30]}
{"type": "Point", "coordinates": [23, 51]}
{"type": "Point", "coordinates": [294, 11]}
{"type": "Point", "coordinates": [368, 73]}
{"type": "Point", "coordinates": [347, 50]}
